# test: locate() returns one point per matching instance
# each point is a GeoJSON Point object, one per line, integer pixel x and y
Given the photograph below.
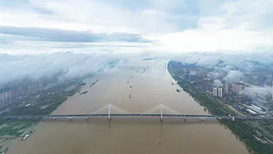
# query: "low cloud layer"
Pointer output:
{"type": "Point", "coordinates": [13, 68]}
{"type": "Point", "coordinates": [229, 59]}
{"type": "Point", "coordinates": [234, 76]}
{"type": "Point", "coordinates": [66, 65]}
{"type": "Point", "coordinates": [229, 67]}
{"type": "Point", "coordinates": [217, 83]}
{"type": "Point", "coordinates": [259, 93]}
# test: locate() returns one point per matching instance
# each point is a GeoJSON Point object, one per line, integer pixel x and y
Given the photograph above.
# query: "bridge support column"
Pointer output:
{"type": "Point", "coordinates": [109, 111]}
{"type": "Point", "coordinates": [161, 113]}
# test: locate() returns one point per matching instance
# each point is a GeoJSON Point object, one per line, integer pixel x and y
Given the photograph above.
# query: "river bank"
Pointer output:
{"type": "Point", "coordinates": [247, 132]}
{"type": "Point", "coordinates": [44, 103]}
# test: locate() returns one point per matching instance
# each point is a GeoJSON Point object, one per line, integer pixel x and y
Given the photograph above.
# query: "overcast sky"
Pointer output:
{"type": "Point", "coordinates": [35, 26]}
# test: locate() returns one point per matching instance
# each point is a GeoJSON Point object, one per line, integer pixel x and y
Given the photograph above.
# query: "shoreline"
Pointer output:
{"type": "Point", "coordinates": [34, 124]}
{"type": "Point", "coordinates": [244, 132]}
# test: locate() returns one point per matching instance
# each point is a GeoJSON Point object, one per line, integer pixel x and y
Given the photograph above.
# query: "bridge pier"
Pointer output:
{"type": "Point", "coordinates": [109, 111]}
{"type": "Point", "coordinates": [161, 113]}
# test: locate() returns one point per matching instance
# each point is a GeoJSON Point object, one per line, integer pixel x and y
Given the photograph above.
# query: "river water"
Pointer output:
{"type": "Point", "coordinates": [148, 89]}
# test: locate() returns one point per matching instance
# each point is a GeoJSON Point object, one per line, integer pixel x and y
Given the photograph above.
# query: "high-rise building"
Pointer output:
{"type": "Point", "coordinates": [234, 87]}
{"type": "Point", "coordinates": [239, 88]}
{"type": "Point", "coordinates": [220, 92]}
{"type": "Point", "coordinates": [226, 88]}
{"type": "Point", "coordinates": [214, 91]}
{"type": "Point", "coordinates": [5, 95]}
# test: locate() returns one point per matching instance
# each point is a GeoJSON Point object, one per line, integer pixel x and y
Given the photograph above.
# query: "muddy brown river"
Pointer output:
{"type": "Point", "coordinates": [148, 89]}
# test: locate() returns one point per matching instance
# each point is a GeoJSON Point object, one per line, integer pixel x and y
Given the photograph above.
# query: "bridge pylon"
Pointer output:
{"type": "Point", "coordinates": [161, 113]}
{"type": "Point", "coordinates": [109, 111]}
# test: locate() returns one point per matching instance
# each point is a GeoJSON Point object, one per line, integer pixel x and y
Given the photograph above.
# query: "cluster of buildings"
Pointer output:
{"type": "Point", "coordinates": [228, 92]}
{"type": "Point", "coordinates": [218, 92]}
{"type": "Point", "coordinates": [5, 97]}
{"type": "Point", "coordinates": [254, 110]}
{"type": "Point", "coordinates": [27, 88]}
{"type": "Point", "coordinates": [237, 87]}
{"type": "Point", "coordinates": [8, 94]}
{"type": "Point", "coordinates": [239, 102]}
{"type": "Point", "coordinates": [228, 89]}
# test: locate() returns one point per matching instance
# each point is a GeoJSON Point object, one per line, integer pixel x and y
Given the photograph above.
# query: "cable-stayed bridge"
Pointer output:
{"type": "Point", "coordinates": [160, 115]}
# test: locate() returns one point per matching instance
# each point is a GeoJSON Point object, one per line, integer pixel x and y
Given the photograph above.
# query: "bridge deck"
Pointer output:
{"type": "Point", "coordinates": [137, 115]}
